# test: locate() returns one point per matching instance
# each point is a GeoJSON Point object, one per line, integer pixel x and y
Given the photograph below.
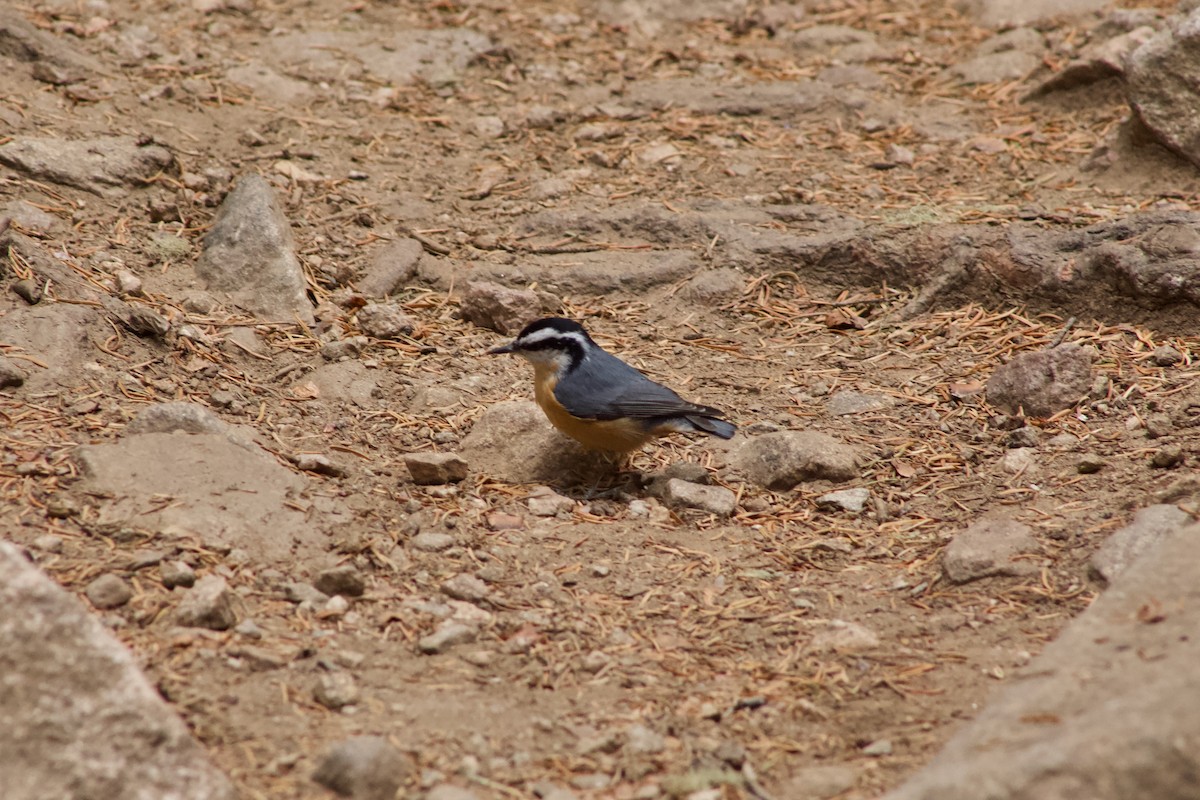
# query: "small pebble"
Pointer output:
{"type": "Point", "coordinates": [48, 543]}
{"type": "Point", "coordinates": [1166, 356]}
{"type": "Point", "coordinates": [108, 591]}
{"type": "Point", "coordinates": [432, 541]}
{"type": "Point", "coordinates": [1167, 457]}
{"type": "Point", "coordinates": [879, 747]}
{"type": "Point", "coordinates": [344, 579]}
{"type": "Point", "coordinates": [1090, 464]}
{"type": "Point", "coordinates": [336, 690]}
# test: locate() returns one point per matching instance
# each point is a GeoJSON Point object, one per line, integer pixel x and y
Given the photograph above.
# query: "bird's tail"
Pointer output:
{"type": "Point", "coordinates": [712, 425]}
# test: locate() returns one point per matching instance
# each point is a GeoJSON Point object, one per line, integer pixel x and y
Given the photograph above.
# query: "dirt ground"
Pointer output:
{"type": "Point", "coordinates": [712, 634]}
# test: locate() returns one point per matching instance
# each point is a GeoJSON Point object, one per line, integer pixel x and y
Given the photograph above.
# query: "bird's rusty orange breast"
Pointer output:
{"type": "Point", "coordinates": [617, 435]}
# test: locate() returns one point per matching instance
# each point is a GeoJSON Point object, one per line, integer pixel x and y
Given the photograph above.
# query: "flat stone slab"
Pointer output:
{"type": "Point", "coordinates": [1106, 712]}
{"type": "Point", "coordinates": [80, 718]}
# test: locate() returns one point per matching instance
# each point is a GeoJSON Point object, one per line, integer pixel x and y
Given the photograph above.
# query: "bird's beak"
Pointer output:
{"type": "Point", "coordinates": [502, 349]}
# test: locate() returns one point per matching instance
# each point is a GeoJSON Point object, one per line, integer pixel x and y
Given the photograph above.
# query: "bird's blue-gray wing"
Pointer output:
{"type": "Point", "coordinates": [604, 387]}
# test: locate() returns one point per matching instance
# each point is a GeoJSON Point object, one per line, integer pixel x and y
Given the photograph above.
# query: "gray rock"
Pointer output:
{"type": "Point", "coordinates": [1019, 460]}
{"type": "Point", "coordinates": [1166, 356]}
{"type": "Point", "coordinates": [840, 636]}
{"type": "Point", "coordinates": [1161, 78]}
{"type": "Point", "coordinates": [447, 635]}
{"type": "Point", "coordinates": [988, 548]}
{"type": "Point", "coordinates": [432, 469]}
{"type": "Point", "coordinates": [846, 402]}
{"type": "Point", "coordinates": [105, 166]}
{"type": "Point", "coordinates": [1102, 711]}
{"type": "Point", "coordinates": [1044, 382]}
{"type": "Point", "coordinates": [176, 416]}
{"type": "Point", "coordinates": [392, 268]}
{"type": "Point", "coordinates": [852, 500]}
{"type": "Point", "coordinates": [108, 591]}
{"type": "Point", "coordinates": [1150, 526]}
{"type": "Point", "coordinates": [835, 41]}
{"type": "Point", "coordinates": [545, 502]}
{"type": "Point", "coordinates": [820, 782]}
{"type": "Point", "coordinates": [710, 499]}
{"type": "Point", "coordinates": [384, 321]}
{"type": "Point", "coordinates": [879, 747]}
{"type": "Point", "coordinates": [766, 98]}
{"type": "Point", "coordinates": [1012, 13]}
{"type": "Point", "coordinates": [319, 464]}
{"type": "Point", "coordinates": [641, 740]}
{"type": "Point", "coordinates": [300, 592]}
{"type": "Point", "coordinates": [1158, 425]}
{"type": "Point", "coordinates": [499, 308]}
{"type": "Point", "coordinates": [1025, 436]}
{"type": "Point", "coordinates": [176, 573]}
{"type": "Point", "coordinates": [205, 474]}
{"type": "Point", "coordinates": [465, 587]}
{"type": "Point", "coordinates": [1007, 65]}
{"type": "Point", "coordinates": [513, 441]}
{"type": "Point", "coordinates": [336, 690]}
{"type": "Point", "coordinates": [1167, 457]}
{"type": "Point", "coordinates": [48, 543]}
{"type": "Point", "coordinates": [208, 604]}
{"type": "Point", "coordinates": [363, 768]}
{"type": "Point", "coordinates": [249, 255]}
{"type": "Point", "coordinates": [780, 460]}
{"type": "Point", "coordinates": [1090, 464]}
{"type": "Point", "coordinates": [268, 84]}
{"type": "Point", "coordinates": [11, 375]}
{"type": "Point", "coordinates": [107, 732]}
{"type": "Point", "coordinates": [350, 347]}
{"type": "Point", "coordinates": [448, 791]}
{"type": "Point", "coordinates": [345, 580]}
{"type": "Point", "coordinates": [432, 541]}
{"type": "Point", "coordinates": [714, 286]}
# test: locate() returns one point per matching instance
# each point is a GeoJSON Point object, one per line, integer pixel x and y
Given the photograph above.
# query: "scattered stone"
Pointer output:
{"type": "Point", "coordinates": [104, 166]}
{"type": "Point", "coordinates": [432, 541]}
{"type": "Point", "coordinates": [128, 283]}
{"type": "Point", "coordinates": [1000, 14]}
{"type": "Point", "coordinates": [299, 592]}
{"type": "Point", "coordinates": [1166, 356]}
{"type": "Point", "coordinates": [259, 659]}
{"type": "Point", "coordinates": [779, 461]}
{"type": "Point", "coordinates": [820, 782]}
{"type": "Point", "coordinates": [334, 608]}
{"type": "Point", "coordinates": [1018, 460]}
{"type": "Point", "coordinates": [345, 580]}
{"type": "Point", "coordinates": [363, 768]}
{"type": "Point", "coordinates": [1027, 436]}
{"type": "Point", "coordinates": [544, 117]}
{"type": "Point", "coordinates": [503, 521]}
{"type": "Point", "coordinates": [1161, 78]}
{"type": "Point", "coordinates": [448, 791]}
{"type": "Point", "coordinates": [852, 500]}
{"type": "Point", "coordinates": [1006, 65]}
{"type": "Point", "coordinates": [710, 499]}
{"type": "Point", "coordinates": [840, 636]}
{"type": "Point", "coordinates": [75, 699]}
{"type": "Point", "coordinates": [384, 321]}
{"type": "Point", "coordinates": [350, 347]}
{"type": "Point", "coordinates": [176, 573]}
{"type": "Point", "coordinates": [499, 308]}
{"type": "Point", "coordinates": [641, 740]}
{"type": "Point", "coordinates": [28, 290]}
{"type": "Point", "coordinates": [842, 42]}
{"type": "Point", "coordinates": [989, 547]}
{"type": "Point", "coordinates": [143, 320]}
{"type": "Point", "coordinates": [318, 464]}
{"type": "Point", "coordinates": [336, 690]}
{"type": "Point", "coordinates": [433, 469]}
{"type": "Point", "coordinates": [545, 502]}
{"type": "Point", "coordinates": [249, 255]}
{"type": "Point", "coordinates": [550, 188]}
{"type": "Point", "coordinates": [899, 154]}
{"type": "Point", "coordinates": [48, 543]}
{"type": "Point", "coordinates": [1150, 526]}
{"type": "Point", "coordinates": [1043, 383]}
{"type": "Point", "coordinates": [1158, 425]}
{"type": "Point", "coordinates": [208, 604]}
{"type": "Point", "coordinates": [11, 375]}
{"type": "Point", "coordinates": [447, 635]}
{"type": "Point", "coordinates": [465, 587]}
{"type": "Point", "coordinates": [1090, 464]}
{"type": "Point", "coordinates": [108, 591]}
{"type": "Point", "coordinates": [714, 286]}
{"type": "Point", "coordinates": [1167, 457]}
{"type": "Point", "coordinates": [879, 747]}
{"type": "Point", "coordinates": [392, 269]}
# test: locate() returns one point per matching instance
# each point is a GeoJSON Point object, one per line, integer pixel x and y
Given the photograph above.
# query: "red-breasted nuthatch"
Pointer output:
{"type": "Point", "coordinates": [599, 400]}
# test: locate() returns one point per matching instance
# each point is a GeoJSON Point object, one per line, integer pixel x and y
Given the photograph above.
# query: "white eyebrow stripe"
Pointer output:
{"type": "Point", "coordinates": [546, 334]}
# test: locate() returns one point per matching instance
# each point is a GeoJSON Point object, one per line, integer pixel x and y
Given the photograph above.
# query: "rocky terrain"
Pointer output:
{"type": "Point", "coordinates": [275, 526]}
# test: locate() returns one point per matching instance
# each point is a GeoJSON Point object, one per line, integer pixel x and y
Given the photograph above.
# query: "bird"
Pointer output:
{"type": "Point", "coordinates": [599, 400]}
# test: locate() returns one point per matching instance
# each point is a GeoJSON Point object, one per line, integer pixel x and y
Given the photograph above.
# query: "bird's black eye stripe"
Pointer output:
{"type": "Point", "coordinates": [568, 344]}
